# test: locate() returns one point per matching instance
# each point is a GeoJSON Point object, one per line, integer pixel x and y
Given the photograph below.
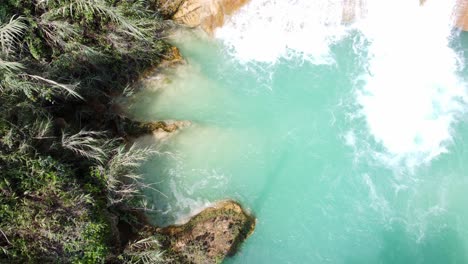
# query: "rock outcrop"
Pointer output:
{"type": "Point", "coordinates": [161, 130]}
{"type": "Point", "coordinates": [210, 236]}
{"type": "Point", "coordinates": [211, 14]}
{"type": "Point", "coordinates": [462, 14]}
{"type": "Point", "coordinates": [207, 14]}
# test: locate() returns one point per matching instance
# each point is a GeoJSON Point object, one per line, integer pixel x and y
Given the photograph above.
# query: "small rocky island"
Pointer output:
{"type": "Point", "coordinates": [210, 236]}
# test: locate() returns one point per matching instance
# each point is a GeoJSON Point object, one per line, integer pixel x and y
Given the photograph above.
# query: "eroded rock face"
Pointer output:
{"type": "Point", "coordinates": [210, 236]}
{"type": "Point", "coordinates": [208, 14]}
{"type": "Point", "coordinates": [462, 14]}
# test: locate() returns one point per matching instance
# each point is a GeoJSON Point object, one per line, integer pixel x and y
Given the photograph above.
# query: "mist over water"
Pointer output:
{"type": "Point", "coordinates": [347, 141]}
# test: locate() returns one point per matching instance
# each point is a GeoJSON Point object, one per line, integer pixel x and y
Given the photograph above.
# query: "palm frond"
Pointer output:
{"type": "Point", "coordinates": [67, 88]}
{"type": "Point", "coordinates": [128, 91]}
{"type": "Point", "coordinates": [42, 127]}
{"type": "Point", "coordinates": [144, 251]}
{"type": "Point", "coordinates": [57, 32]}
{"type": "Point", "coordinates": [10, 66]}
{"type": "Point", "coordinates": [73, 8]}
{"type": "Point", "coordinates": [15, 85]}
{"type": "Point", "coordinates": [10, 34]}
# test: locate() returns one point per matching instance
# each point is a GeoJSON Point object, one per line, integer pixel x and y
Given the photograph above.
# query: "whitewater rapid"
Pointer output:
{"type": "Point", "coordinates": [410, 94]}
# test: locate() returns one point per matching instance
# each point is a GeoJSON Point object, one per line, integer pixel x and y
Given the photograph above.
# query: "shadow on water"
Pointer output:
{"type": "Point", "coordinates": [272, 178]}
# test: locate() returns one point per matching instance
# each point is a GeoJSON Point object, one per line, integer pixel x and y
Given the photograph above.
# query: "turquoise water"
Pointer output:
{"type": "Point", "coordinates": [294, 142]}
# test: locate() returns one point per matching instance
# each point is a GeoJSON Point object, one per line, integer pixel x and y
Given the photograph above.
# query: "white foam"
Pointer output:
{"type": "Point", "coordinates": [267, 30]}
{"type": "Point", "coordinates": [412, 95]}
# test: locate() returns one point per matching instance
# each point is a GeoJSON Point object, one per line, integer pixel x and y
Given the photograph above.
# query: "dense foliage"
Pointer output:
{"type": "Point", "coordinates": [63, 186]}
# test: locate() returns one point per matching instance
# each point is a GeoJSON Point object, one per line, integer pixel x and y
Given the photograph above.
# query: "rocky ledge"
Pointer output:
{"type": "Point", "coordinates": [207, 14]}
{"type": "Point", "coordinates": [160, 130]}
{"type": "Point", "coordinates": [210, 236]}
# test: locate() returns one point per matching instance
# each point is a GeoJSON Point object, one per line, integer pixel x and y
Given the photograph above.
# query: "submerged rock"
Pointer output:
{"type": "Point", "coordinates": [161, 130]}
{"type": "Point", "coordinates": [168, 128]}
{"type": "Point", "coordinates": [352, 10]}
{"type": "Point", "coordinates": [210, 236]}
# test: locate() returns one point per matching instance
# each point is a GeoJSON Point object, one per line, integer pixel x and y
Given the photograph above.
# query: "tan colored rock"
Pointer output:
{"type": "Point", "coordinates": [208, 14]}
{"type": "Point", "coordinates": [160, 130]}
{"type": "Point", "coordinates": [209, 236]}
{"type": "Point", "coordinates": [461, 12]}
{"type": "Point", "coordinates": [191, 12]}
{"type": "Point", "coordinates": [168, 128]}
{"type": "Point", "coordinates": [231, 6]}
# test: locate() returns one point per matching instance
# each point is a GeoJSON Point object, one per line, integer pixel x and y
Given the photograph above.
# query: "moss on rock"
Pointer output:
{"type": "Point", "coordinates": [210, 236]}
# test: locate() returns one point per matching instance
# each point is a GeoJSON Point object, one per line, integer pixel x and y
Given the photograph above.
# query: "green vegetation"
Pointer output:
{"type": "Point", "coordinates": [67, 180]}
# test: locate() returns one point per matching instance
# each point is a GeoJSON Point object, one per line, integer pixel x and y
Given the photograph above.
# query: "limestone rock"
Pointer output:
{"type": "Point", "coordinates": [168, 128]}
{"type": "Point", "coordinates": [190, 13]}
{"type": "Point", "coordinates": [210, 236]}
{"type": "Point", "coordinates": [209, 14]}
{"type": "Point", "coordinates": [160, 130]}
{"type": "Point", "coordinates": [461, 11]}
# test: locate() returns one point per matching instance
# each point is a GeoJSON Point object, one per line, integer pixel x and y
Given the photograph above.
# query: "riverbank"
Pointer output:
{"type": "Point", "coordinates": [68, 178]}
{"type": "Point", "coordinates": [69, 188]}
